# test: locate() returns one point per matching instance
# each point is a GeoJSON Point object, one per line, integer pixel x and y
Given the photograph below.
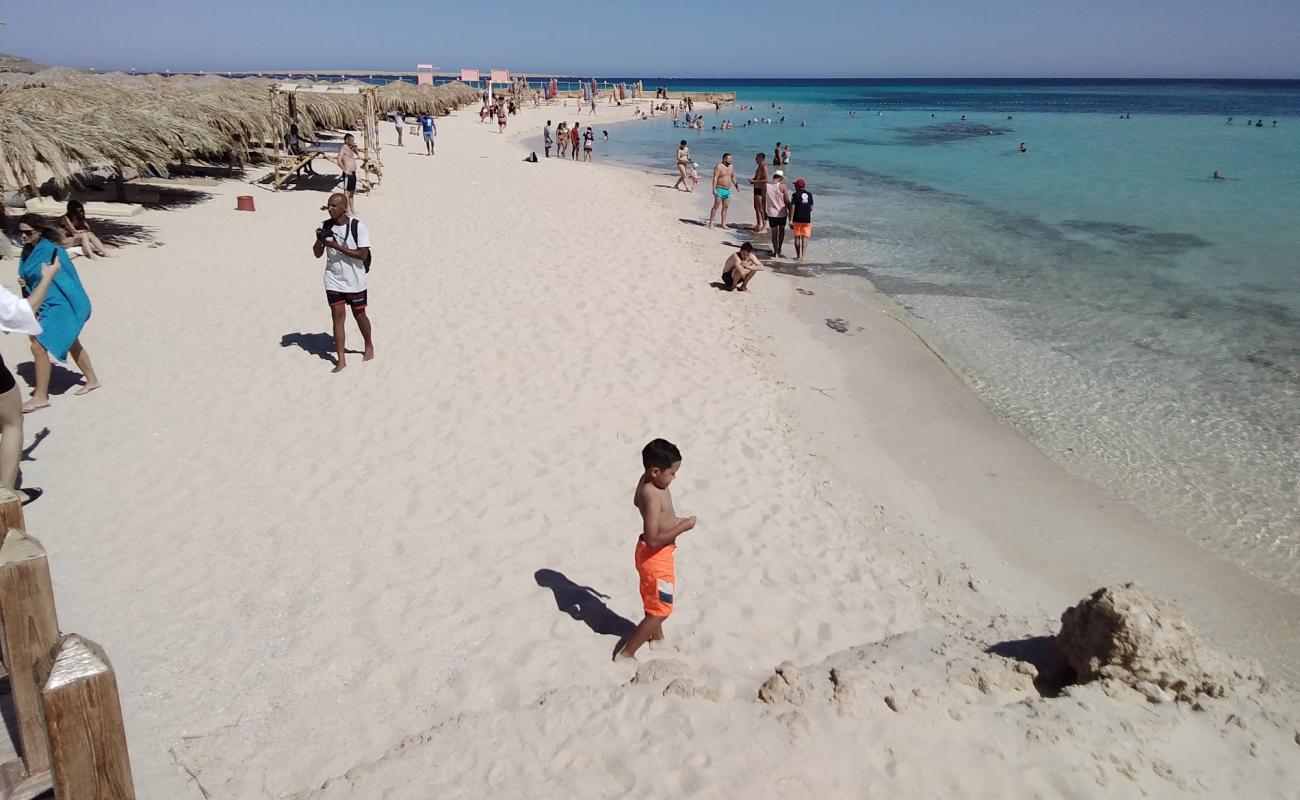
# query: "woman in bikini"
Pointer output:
{"type": "Point", "coordinates": [76, 231]}
{"type": "Point", "coordinates": [683, 162]}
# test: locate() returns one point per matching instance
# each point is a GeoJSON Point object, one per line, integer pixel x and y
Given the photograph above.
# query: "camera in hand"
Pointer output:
{"type": "Point", "coordinates": [324, 232]}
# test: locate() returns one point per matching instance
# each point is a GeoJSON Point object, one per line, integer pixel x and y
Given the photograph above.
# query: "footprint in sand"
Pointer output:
{"type": "Point", "coordinates": [838, 325]}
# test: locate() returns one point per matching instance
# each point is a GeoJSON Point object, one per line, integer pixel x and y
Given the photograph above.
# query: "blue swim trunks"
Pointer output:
{"type": "Point", "coordinates": [723, 194]}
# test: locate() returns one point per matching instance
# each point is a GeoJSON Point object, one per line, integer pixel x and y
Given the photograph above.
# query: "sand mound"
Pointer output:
{"type": "Point", "coordinates": [1126, 634]}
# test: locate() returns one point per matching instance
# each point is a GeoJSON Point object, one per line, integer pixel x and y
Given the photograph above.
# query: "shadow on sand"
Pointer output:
{"type": "Point", "coordinates": [61, 378]}
{"type": "Point", "coordinates": [320, 345]}
{"type": "Point", "coordinates": [1040, 651]}
{"type": "Point", "coordinates": [584, 604]}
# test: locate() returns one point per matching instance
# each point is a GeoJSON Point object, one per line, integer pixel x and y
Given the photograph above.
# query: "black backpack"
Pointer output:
{"type": "Point", "coordinates": [329, 224]}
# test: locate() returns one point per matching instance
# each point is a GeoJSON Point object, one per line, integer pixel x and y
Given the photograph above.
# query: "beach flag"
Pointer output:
{"type": "Point", "coordinates": [554, 90]}
{"type": "Point", "coordinates": [622, 92]}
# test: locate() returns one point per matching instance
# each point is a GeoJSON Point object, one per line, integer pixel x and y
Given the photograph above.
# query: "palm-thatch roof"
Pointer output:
{"type": "Point", "coordinates": [63, 142]}
{"type": "Point", "coordinates": [403, 97]}
{"type": "Point", "coordinates": [67, 120]}
{"type": "Point", "coordinates": [10, 63]}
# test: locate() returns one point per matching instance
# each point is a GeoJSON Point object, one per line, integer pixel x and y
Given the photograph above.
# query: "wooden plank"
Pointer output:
{"type": "Point", "coordinates": [83, 713]}
{"type": "Point", "coordinates": [27, 637]}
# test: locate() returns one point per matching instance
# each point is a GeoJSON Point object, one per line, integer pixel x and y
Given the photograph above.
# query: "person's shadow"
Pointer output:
{"type": "Point", "coordinates": [320, 345]}
{"type": "Point", "coordinates": [62, 379]}
{"type": "Point", "coordinates": [584, 604]}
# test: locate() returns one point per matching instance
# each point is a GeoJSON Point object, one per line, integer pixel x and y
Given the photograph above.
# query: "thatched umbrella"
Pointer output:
{"type": "Point", "coordinates": [54, 76]}
{"type": "Point", "coordinates": [60, 121]}
{"type": "Point", "coordinates": [33, 147]}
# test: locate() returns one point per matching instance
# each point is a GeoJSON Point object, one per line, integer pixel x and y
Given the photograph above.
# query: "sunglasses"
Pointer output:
{"type": "Point", "coordinates": [25, 231]}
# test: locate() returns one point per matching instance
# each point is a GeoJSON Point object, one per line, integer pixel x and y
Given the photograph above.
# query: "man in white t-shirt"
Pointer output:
{"type": "Point", "coordinates": [345, 243]}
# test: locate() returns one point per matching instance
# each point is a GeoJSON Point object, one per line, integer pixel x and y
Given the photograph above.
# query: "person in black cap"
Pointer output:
{"type": "Point", "coordinates": [801, 205]}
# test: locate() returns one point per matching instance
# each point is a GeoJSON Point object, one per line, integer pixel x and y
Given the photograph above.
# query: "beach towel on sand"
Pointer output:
{"type": "Point", "coordinates": [66, 307]}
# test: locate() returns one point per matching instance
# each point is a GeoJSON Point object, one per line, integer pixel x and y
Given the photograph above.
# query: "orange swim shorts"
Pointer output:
{"type": "Point", "coordinates": [803, 229]}
{"type": "Point", "coordinates": [654, 566]}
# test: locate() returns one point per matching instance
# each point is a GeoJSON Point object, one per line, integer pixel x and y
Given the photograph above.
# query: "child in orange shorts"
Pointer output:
{"type": "Point", "coordinates": [660, 527]}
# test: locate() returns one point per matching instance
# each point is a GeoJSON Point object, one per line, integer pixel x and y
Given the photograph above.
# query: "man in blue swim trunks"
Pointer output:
{"type": "Point", "coordinates": [724, 183]}
{"type": "Point", "coordinates": [430, 129]}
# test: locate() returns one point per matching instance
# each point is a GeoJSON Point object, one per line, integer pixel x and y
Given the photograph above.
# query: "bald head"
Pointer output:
{"type": "Point", "coordinates": [337, 205]}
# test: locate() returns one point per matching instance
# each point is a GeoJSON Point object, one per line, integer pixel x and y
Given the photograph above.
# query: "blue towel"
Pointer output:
{"type": "Point", "coordinates": [66, 307]}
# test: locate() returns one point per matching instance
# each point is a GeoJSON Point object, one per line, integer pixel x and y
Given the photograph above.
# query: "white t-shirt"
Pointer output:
{"type": "Point", "coordinates": [16, 315]}
{"type": "Point", "coordinates": [343, 273]}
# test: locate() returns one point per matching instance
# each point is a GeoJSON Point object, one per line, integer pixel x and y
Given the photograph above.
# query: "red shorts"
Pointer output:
{"type": "Point", "coordinates": [658, 578]}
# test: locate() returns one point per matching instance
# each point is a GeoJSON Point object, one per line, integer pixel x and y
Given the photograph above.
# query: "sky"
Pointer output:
{"type": "Point", "coordinates": [672, 38]}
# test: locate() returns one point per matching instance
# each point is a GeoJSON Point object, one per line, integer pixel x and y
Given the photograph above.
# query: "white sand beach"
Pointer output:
{"type": "Point", "coordinates": [406, 580]}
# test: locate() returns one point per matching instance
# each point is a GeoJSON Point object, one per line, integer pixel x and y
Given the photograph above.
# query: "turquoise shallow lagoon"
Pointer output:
{"type": "Point", "coordinates": [1136, 319]}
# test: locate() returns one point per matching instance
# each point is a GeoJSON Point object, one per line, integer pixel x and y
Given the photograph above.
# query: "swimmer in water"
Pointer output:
{"type": "Point", "coordinates": [1022, 148]}
{"type": "Point", "coordinates": [1218, 176]}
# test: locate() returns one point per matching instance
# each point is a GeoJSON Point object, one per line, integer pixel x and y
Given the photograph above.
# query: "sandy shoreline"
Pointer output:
{"type": "Point", "coordinates": [318, 586]}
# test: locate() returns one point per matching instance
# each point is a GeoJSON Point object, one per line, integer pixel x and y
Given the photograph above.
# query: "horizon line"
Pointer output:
{"type": "Point", "coordinates": [740, 77]}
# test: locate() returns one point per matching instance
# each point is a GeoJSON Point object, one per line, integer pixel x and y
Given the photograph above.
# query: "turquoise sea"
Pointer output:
{"type": "Point", "coordinates": [1136, 319]}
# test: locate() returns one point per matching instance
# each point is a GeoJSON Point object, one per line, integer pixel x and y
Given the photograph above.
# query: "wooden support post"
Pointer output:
{"type": "Point", "coordinates": [11, 512]}
{"type": "Point", "coordinates": [28, 635]}
{"type": "Point", "coordinates": [83, 714]}
{"type": "Point", "coordinates": [30, 632]}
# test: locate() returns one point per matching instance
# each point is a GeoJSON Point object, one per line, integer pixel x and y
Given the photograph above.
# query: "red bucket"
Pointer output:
{"type": "Point", "coordinates": [244, 203]}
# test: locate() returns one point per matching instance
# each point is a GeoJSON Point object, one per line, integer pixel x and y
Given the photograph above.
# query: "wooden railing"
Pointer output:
{"type": "Point", "coordinates": [64, 693]}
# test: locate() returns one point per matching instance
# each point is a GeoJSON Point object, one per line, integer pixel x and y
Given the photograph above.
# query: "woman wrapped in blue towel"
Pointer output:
{"type": "Point", "coordinates": [62, 314]}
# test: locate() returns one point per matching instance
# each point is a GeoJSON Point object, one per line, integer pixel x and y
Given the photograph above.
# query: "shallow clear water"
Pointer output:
{"type": "Point", "coordinates": [1137, 320]}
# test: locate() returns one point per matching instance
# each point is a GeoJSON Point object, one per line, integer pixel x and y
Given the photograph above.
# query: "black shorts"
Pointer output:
{"type": "Point", "coordinates": [355, 299]}
{"type": "Point", "coordinates": [776, 222]}
{"type": "Point", "coordinates": [758, 192]}
{"type": "Point", "coordinates": [350, 182]}
{"type": "Point", "coordinates": [7, 381]}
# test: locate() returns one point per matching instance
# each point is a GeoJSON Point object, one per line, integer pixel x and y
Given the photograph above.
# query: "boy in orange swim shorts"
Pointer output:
{"type": "Point", "coordinates": [660, 527]}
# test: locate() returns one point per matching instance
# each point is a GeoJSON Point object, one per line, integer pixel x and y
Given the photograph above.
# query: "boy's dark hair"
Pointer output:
{"type": "Point", "coordinates": [747, 247]}
{"type": "Point", "coordinates": [660, 453]}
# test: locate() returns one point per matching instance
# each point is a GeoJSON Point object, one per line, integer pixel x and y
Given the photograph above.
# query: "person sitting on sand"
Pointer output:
{"type": "Point", "coordinates": [660, 527]}
{"type": "Point", "coordinates": [739, 268]}
{"type": "Point", "coordinates": [63, 311]}
{"type": "Point", "coordinates": [684, 160]}
{"type": "Point", "coordinates": [18, 315]}
{"type": "Point", "coordinates": [77, 233]}
{"type": "Point", "coordinates": [345, 274]}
